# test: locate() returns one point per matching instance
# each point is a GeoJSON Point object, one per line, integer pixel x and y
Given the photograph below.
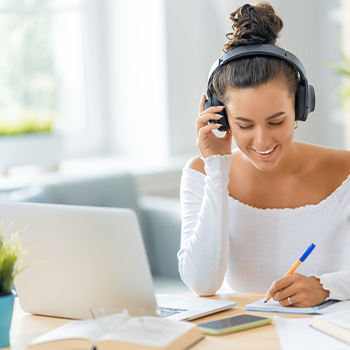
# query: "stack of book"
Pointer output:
{"type": "Point", "coordinates": [336, 324]}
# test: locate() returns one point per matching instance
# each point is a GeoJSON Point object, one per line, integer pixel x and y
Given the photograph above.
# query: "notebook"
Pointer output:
{"type": "Point", "coordinates": [89, 257]}
{"type": "Point", "coordinates": [325, 307]}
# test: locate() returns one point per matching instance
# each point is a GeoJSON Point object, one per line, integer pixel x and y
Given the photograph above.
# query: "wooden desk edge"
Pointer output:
{"type": "Point", "coordinates": [26, 327]}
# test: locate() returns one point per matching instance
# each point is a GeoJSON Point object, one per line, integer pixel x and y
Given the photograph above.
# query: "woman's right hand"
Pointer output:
{"type": "Point", "coordinates": [208, 143]}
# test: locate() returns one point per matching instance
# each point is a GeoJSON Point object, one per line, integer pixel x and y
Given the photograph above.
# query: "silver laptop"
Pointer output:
{"type": "Point", "coordinates": [88, 257]}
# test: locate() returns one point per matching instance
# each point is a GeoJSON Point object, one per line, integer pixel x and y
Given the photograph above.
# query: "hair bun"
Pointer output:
{"type": "Point", "coordinates": [257, 24]}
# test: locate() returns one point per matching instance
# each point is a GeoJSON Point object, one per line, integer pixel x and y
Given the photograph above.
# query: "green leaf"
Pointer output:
{"type": "Point", "coordinates": [11, 257]}
{"type": "Point", "coordinates": [342, 68]}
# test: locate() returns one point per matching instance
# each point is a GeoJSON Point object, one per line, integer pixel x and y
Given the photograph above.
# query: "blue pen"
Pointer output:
{"type": "Point", "coordinates": [295, 266]}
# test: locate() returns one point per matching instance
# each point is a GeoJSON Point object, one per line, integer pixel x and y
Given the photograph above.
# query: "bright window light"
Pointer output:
{"type": "Point", "coordinates": [41, 63]}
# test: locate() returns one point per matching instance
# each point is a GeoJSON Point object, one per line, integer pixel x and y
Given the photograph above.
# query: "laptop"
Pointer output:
{"type": "Point", "coordinates": [83, 257]}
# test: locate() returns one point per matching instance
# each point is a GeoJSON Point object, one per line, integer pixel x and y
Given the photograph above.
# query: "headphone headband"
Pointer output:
{"type": "Point", "coordinates": [259, 50]}
{"type": "Point", "coordinates": [305, 94]}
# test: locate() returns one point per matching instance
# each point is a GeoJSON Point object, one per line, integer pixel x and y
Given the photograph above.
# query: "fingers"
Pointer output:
{"type": "Point", "coordinates": [205, 115]}
{"type": "Point", "coordinates": [286, 281]}
{"type": "Point", "coordinates": [202, 103]}
{"type": "Point", "coordinates": [209, 143]}
{"type": "Point", "coordinates": [278, 286]}
{"type": "Point", "coordinates": [202, 132]}
{"type": "Point", "coordinates": [208, 114]}
{"type": "Point", "coordinates": [291, 300]}
{"type": "Point", "coordinates": [299, 290]}
{"type": "Point", "coordinates": [203, 120]}
{"type": "Point", "coordinates": [283, 294]}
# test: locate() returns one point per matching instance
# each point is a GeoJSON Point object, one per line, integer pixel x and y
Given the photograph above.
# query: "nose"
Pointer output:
{"type": "Point", "coordinates": [262, 138]}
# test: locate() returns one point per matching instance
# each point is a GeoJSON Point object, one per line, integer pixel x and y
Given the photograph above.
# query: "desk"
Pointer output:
{"type": "Point", "coordinates": [26, 327]}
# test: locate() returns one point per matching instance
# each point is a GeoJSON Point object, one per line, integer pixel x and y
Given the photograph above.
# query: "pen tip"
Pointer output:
{"type": "Point", "coordinates": [265, 301]}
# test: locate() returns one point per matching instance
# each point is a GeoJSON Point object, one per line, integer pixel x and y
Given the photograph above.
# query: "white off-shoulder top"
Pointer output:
{"type": "Point", "coordinates": [246, 248]}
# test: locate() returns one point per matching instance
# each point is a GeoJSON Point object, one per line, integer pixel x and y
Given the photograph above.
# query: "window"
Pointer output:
{"type": "Point", "coordinates": [70, 60]}
{"type": "Point", "coordinates": [41, 62]}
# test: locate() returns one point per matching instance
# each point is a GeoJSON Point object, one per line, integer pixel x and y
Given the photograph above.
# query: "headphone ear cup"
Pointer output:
{"type": "Point", "coordinates": [225, 126]}
{"type": "Point", "coordinates": [300, 102]}
{"type": "Point", "coordinates": [207, 103]}
{"type": "Point", "coordinates": [214, 101]}
{"type": "Point", "coordinates": [311, 99]}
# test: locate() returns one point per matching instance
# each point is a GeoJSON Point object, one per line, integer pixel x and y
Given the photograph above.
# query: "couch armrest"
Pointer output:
{"type": "Point", "coordinates": [34, 194]}
{"type": "Point", "coordinates": [162, 217]}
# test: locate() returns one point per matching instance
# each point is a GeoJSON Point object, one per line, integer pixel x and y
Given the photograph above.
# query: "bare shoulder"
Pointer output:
{"type": "Point", "coordinates": [339, 160]}
{"type": "Point", "coordinates": [333, 161]}
{"type": "Point", "coordinates": [196, 163]}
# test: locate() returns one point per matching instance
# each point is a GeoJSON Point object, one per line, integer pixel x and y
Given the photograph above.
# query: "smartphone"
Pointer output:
{"type": "Point", "coordinates": [233, 324]}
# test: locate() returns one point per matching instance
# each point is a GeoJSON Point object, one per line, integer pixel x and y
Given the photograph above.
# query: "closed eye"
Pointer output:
{"type": "Point", "coordinates": [245, 127]}
{"type": "Point", "coordinates": [250, 126]}
{"type": "Point", "coordinates": [279, 123]}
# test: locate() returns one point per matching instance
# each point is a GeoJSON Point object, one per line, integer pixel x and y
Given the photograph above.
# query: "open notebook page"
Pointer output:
{"type": "Point", "coordinates": [326, 307]}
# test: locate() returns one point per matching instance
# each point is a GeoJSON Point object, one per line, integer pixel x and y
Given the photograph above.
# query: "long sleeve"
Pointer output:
{"type": "Point", "coordinates": [204, 251]}
{"type": "Point", "coordinates": [338, 283]}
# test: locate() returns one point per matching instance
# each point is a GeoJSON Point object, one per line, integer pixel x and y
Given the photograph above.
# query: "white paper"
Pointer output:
{"type": "Point", "coordinates": [296, 333]}
{"type": "Point", "coordinates": [131, 332]}
{"type": "Point", "coordinates": [135, 333]}
{"type": "Point", "coordinates": [86, 329]}
{"type": "Point", "coordinates": [341, 319]}
{"type": "Point", "coordinates": [275, 306]}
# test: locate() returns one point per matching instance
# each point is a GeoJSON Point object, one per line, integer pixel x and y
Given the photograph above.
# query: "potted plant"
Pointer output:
{"type": "Point", "coordinates": [11, 257]}
{"type": "Point", "coordinates": [29, 140]}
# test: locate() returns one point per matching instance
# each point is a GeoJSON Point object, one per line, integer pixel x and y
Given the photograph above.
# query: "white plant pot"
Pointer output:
{"type": "Point", "coordinates": [39, 149]}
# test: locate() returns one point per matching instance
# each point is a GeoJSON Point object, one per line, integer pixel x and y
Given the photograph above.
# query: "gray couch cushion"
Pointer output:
{"type": "Point", "coordinates": [115, 190]}
{"type": "Point", "coordinates": [159, 217]}
{"type": "Point", "coordinates": [27, 194]}
{"type": "Point", "coordinates": [163, 221]}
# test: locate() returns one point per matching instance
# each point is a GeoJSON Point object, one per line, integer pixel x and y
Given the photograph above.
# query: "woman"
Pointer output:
{"type": "Point", "coordinates": [249, 213]}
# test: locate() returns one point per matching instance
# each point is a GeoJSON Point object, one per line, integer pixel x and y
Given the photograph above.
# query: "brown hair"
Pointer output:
{"type": "Point", "coordinates": [253, 25]}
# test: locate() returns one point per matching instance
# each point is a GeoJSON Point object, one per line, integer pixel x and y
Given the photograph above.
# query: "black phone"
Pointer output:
{"type": "Point", "coordinates": [233, 324]}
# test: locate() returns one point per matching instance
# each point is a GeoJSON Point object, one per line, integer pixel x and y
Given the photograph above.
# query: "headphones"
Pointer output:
{"type": "Point", "coordinates": [305, 94]}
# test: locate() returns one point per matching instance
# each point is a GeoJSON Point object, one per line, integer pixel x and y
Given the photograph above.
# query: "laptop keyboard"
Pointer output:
{"type": "Point", "coordinates": [167, 311]}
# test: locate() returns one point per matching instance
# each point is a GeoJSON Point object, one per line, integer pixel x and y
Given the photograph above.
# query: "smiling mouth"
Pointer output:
{"type": "Point", "coordinates": [266, 152]}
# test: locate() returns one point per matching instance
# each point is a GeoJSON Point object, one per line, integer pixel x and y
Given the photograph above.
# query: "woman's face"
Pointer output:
{"type": "Point", "coordinates": [262, 122]}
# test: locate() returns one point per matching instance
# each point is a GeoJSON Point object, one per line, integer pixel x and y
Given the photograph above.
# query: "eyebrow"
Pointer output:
{"type": "Point", "coordinates": [251, 121]}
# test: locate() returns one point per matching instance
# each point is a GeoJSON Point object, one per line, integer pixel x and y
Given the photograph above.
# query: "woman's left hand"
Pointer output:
{"type": "Point", "coordinates": [302, 291]}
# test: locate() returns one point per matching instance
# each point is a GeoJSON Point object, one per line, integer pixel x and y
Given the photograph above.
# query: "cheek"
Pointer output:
{"type": "Point", "coordinates": [242, 137]}
{"type": "Point", "coordinates": [286, 133]}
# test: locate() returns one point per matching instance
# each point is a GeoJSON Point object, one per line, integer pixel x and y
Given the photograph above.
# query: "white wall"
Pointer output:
{"type": "Point", "coordinates": [137, 78]}
{"type": "Point", "coordinates": [158, 54]}
{"type": "Point", "coordinates": [312, 32]}
{"type": "Point", "coordinates": [195, 33]}
{"type": "Point", "coordinates": [194, 40]}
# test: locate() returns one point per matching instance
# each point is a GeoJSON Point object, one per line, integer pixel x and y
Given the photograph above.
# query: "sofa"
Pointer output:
{"type": "Point", "coordinates": [159, 217]}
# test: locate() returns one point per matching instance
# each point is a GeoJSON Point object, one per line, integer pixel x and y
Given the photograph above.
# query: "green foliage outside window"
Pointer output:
{"type": "Point", "coordinates": [342, 68]}
{"type": "Point", "coordinates": [28, 125]}
{"type": "Point", "coordinates": [29, 84]}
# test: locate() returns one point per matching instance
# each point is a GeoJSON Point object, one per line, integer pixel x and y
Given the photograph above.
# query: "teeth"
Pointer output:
{"type": "Point", "coordinates": [267, 152]}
